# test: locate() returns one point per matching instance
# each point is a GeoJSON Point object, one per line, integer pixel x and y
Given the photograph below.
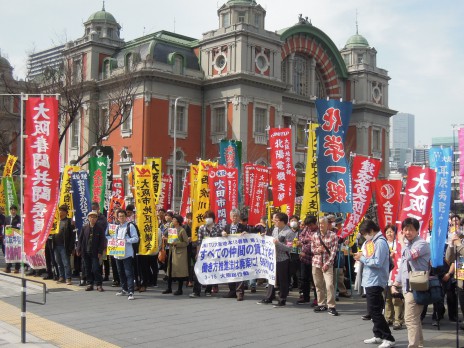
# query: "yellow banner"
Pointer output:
{"type": "Point", "coordinates": [157, 175]}
{"type": "Point", "coordinates": [193, 181]}
{"type": "Point", "coordinates": [2, 197]}
{"type": "Point", "coordinates": [201, 196]}
{"type": "Point", "coordinates": [10, 162]}
{"type": "Point", "coordinates": [311, 198]}
{"type": "Point", "coordinates": [146, 218]}
{"type": "Point", "coordinates": [65, 197]}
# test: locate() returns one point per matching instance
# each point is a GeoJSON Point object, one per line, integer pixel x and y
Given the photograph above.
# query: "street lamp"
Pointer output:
{"type": "Point", "coordinates": [173, 204]}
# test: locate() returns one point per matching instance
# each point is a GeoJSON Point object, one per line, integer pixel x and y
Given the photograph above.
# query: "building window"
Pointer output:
{"type": "Point", "coordinates": [301, 135]}
{"type": "Point", "coordinates": [260, 124]}
{"type": "Point", "coordinates": [226, 20]}
{"type": "Point", "coordinates": [77, 71]}
{"type": "Point", "coordinates": [126, 126]}
{"type": "Point", "coordinates": [75, 133]}
{"type": "Point", "coordinates": [180, 173]}
{"type": "Point", "coordinates": [178, 67]}
{"type": "Point", "coordinates": [360, 58]}
{"type": "Point", "coordinates": [257, 19]}
{"type": "Point", "coordinates": [218, 122]}
{"type": "Point", "coordinates": [300, 75]}
{"type": "Point", "coordinates": [109, 32]}
{"type": "Point", "coordinates": [376, 140]}
{"type": "Point", "coordinates": [181, 120]}
{"type": "Point", "coordinates": [99, 31]}
{"type": "Point", "coordinates": [125, 182]}
{"type": "Point", "coordinates": [241, 17]}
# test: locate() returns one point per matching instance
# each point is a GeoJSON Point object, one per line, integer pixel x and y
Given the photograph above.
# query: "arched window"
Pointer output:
{"type": "Point", "coordinates": [178, 66]}
{"type": "Point", "coordinates": [300, 75]}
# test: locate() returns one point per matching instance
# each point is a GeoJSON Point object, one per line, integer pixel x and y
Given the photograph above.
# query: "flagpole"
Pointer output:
{"type": "Point", "coordinates": [21, 212]}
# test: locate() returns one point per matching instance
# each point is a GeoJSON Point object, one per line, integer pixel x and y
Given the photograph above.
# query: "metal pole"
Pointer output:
{"type": "Point", "coordinates": [21, 212]}
{"type": "Point", "coordinates": [173, 203]}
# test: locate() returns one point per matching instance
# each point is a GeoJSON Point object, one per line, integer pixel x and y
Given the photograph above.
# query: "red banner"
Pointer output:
{"type": "Point", "coordinates": [185, 202]}
{"type": "Point", "coordinates": [166, 192]}
{"type": "Point", "coordinates": [42, 174]}
{"type": "Point", "coordinates": [223, 192]}
{"type": "Point", "coordinates": [387, 197]}
{"type": "Point", "coordinates": [283, 174]}
{"type": "Point", "coordinates": [417, 202]}
{"type": "Point", "coordinates": [258, 194]}
{"type": "Point", "coordinates": [117, 199]}
{"type": "Point", "coordinates": [247, 182]}
{"type": "Point", "coordinates": [365, 171]}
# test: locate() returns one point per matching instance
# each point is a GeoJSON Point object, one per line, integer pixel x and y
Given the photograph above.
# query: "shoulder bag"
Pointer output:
{"type": "Point", "coordinates": [162, 254]}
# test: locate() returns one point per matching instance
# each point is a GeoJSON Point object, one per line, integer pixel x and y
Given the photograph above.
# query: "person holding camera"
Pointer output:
{"type": "Point", "coordinates": [375, 256]}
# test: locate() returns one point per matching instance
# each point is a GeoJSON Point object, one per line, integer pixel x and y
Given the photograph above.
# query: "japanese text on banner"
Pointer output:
{"type": "Point", "coordinates": [311, 201]}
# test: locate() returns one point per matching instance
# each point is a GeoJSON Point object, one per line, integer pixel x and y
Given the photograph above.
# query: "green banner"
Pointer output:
{"type": "Point", "coordinates": [9, 192]}
{"type": "Point", "coordinates": [97, 173]}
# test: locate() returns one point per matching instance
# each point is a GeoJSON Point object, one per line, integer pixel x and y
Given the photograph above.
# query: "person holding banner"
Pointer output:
{"type": "Point", "coordinates": [14, 220]}
{"type": "Point", "coordinates": [283, 240]}
{"type": "Point", "coordinates": [91, 245]}
{"type": "Point", "coordinates": [178, 258]}
{"type": "Point", "coordinates": [63, 245]}
{"type": "Point", "coordinates": [324, 245]}
{"type": "Point", "coordinates": [416, 253]}
{"type": "Point", "coordinates": [376, 259]}
{"type": "Point", "coordinates": [209, 230]}
{"type": "Point", "coordinates": [306, 276]}
{"type": "Point", "coordinates": [126, 233]}
{"type": "Point", "coordinates": [236, 289]}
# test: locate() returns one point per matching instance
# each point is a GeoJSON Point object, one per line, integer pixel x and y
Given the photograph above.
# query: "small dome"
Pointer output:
{"type": "Point", "coordinates": [357, 41]}
{"type": "Point", "coordinates": [102, 16]}
{"type": "Point", "coordinates": [4, 63]}
{"type": "Point", "coordinates": [241, 2]}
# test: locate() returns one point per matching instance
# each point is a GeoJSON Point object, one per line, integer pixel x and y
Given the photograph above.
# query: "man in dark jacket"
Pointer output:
{"type": "Point", "coordinates": [14, 220]}
{"type": "Point", "coordinates": [91, 245]}
{"type": "Point", "coordinates": [63, 245]}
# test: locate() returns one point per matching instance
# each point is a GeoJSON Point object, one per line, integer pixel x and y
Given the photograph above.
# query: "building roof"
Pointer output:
{"type": "Point", "coordinates": [241, 2]}
{"type": "Point", "coordinates": [102, 16]}
{"type": "Point", "coordinates": [357, 41]}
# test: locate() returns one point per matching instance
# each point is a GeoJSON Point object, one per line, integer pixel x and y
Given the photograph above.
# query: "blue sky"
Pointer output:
{"type": "Point", "coordinates": [419, 42]}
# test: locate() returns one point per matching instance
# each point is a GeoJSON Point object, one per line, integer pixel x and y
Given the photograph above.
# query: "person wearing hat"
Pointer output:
{"type": "Point", "coordinates": [63, 245]}
{"type": "Point", "coordinates": [13, 220]}
{"type": "Point", "coordinates": [90, 246]}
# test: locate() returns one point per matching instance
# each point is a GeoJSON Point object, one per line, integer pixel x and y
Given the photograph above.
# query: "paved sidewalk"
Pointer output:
{"type": "Point", "coordinates": [10, 336]}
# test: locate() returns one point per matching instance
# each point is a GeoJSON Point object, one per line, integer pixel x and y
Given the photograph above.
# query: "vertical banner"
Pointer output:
{"type": "Point", "coordinates": [185, 202]}
{"type": "Point", "coordinates": [311, 201]}
{"type": "Point", "coordinates": [41, 171]}
{"type": "Point", "coordinates": [156, 173]}
{"type": "Point", "coordinates": [9, 192]}
{"type": "Point", "coordinates": [441, 159]}
{"type": "Point", "coordinates": [107, 152]}
{"type": "Point", "coordinates": [230, 152]}
{"type": "Point", "coordinates": [417, 202]}
{"type": "Point", "coordinates": [201, 201]}
{"type": "Point", "coordinates": [81, 197]}
{"type": "Point", "coordinates": [117, 199]}
{"type": "Point", "coordinates": [332, 167]}
{"type": "Point", "coordinates": [147, 222]}
{"type": "Point", "coordinates": [97, 174]}
{"type": "Point", "coordinates": [247, 186]}
{"type": "Point", "coordinates": [2, 196]}
{"type": "Point", "coordinates": [9, 165]}
{"type": "Point", "coordinates": [165, 197]}
{"type": "Point", "coordinates": [223, 191]}
{"type": "Point", "coordinates": [65, 196]}
{"type": "Point", "coordinates": [365, 171]}
{"type": "Point", "coordinates": [283, 174]}
{"type": "Point", "coordinates": [461, 162]}
{"type": "Point", "coordinates": [193, 182]}
{"type": "Point", "coordinates": [258, 194]}
{"type": "Point", "coordinates": [388, 199]}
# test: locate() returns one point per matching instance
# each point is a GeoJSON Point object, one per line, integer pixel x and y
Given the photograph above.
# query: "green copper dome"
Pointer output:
{"type": "Point", "coordinates": [241, 2]}
{"type": "Point", "coordinates": [356, 41]}
{"type": "Point", "coordinates": [4, 62]}
{"type": "Point", "coordinates": [102, 16]}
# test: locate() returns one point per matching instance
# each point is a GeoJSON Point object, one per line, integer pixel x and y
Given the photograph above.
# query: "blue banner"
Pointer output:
{"type": "Point", "coordinates": [230, 152]}
{"type": "Point", "coordinates": [441, 159]}
{"type": "Point", "coordinates": [332, 166]}
{"type": "Point", "coordinates": [81, 197]}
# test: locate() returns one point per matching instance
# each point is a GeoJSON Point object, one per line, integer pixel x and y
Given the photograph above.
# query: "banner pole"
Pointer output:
{"type": "Point", "coordinates": [21, 212]}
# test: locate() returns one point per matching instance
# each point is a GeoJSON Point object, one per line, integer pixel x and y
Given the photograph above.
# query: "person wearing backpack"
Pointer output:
{"type": "Point", "coordinates": [375, 256]}
{"type": "Point", "coordinates": [124, 263]}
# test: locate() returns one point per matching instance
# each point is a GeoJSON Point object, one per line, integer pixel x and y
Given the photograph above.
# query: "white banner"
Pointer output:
{"type": "Point", "coordinates": [236, 258]}
{"type": "Point", "coordinates": [13, 239]}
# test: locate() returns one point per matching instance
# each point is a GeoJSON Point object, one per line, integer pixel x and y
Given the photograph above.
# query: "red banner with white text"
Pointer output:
{"type": "Point", "coordinates": [283, 174]}
{"type": "Point", "coordinates": [258, 194]}
{"type": "Point", "coordinates": [417, 203]}
{"type": "Point", "coordinates": [365, 170]}
{"type": "Point", "coordinates": [42, 174]}
{"type": "Point", "coordinates": [388, 199]}
{"type": "Point", "coordinates": [223, 192]}
{"type": "Point", "coordinates": [247, 182]}
{"type": "Point", "coordinates": [116, 200]}
{"type": "Point", "coordinates": [166, 192]}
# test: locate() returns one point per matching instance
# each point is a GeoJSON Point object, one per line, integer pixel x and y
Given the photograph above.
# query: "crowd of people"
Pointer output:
{"type": "Point", "coordinates": [310, 258]}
